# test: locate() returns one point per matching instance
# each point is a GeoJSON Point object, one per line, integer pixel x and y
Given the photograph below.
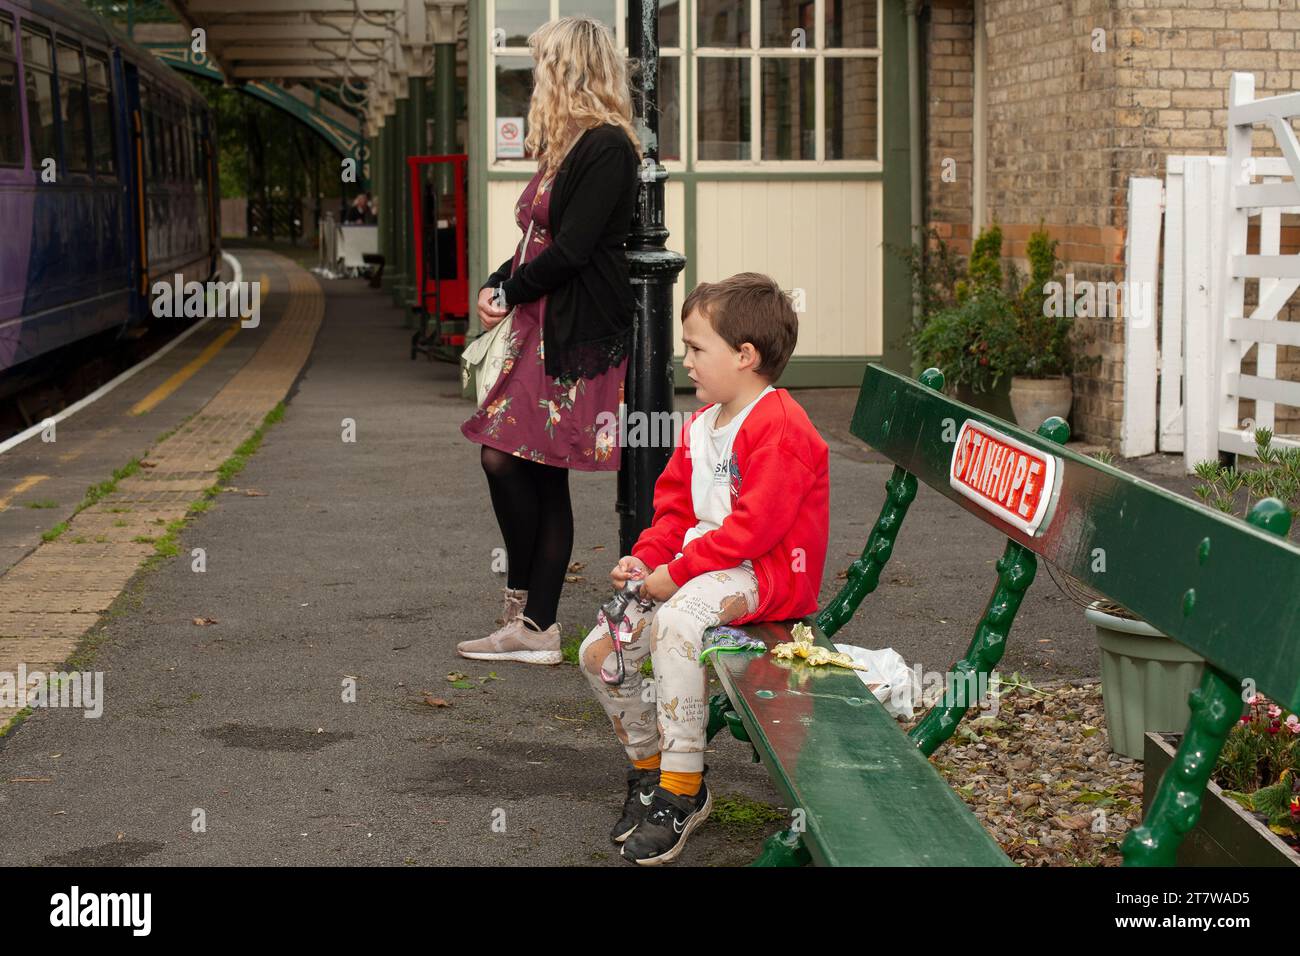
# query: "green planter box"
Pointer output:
{"type": "Point", "coordinates": [1226, 834]}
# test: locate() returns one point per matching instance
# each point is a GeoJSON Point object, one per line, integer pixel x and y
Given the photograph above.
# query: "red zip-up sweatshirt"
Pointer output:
{"type": "Point", "coordinates": [780, 511]}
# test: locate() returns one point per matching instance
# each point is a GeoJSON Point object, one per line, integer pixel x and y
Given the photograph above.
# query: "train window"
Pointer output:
{"type": "Point", "coordinates": [101, 113]}
{"type": "Point", "coordinates": [169, 139]}
{"type": "Point", "coordinates": [38, 61]}
{"type": "Point", "coordinates": [148, 103]}
{"type": "Point", "coordinates": [187, 134]}
{"type": "Point", "coordinates": [11, 129]}
{"type": "Point", "coordinates": [196, 136]}
{"type": "Point", "coordinates": [72, 107]}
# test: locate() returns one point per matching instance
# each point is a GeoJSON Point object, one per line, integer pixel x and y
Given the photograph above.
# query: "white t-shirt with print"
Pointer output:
{"type": "Point", "coordinates": [713, 469]}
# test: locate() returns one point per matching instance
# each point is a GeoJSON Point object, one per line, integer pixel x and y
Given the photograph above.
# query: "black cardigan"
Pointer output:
{"type": "Point", "coordinates": [590, 307]}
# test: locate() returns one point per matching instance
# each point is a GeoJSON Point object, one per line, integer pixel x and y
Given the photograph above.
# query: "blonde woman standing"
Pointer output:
{"type": "Point", "coordinates": [572, 328]}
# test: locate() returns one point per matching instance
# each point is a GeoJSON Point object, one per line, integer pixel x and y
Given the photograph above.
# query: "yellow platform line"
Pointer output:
{"type": "Point", "coordinates": [184, 374]}
{"type": "Point", "coordinates": [30, 481]}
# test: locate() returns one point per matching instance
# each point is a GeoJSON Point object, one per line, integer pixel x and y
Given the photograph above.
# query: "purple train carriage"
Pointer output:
{"type": "Point", "coordinates": [108, 180]}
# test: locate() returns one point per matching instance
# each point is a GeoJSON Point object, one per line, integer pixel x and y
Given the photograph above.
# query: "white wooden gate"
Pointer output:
{"type": "Point", "coordinates": [1204, 333]}
{"type": "Point", "coordinates": [1278, 275]}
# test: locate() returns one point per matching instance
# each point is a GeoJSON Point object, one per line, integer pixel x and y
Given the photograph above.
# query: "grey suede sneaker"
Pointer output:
{"type": "Point", "coordinates": [518, 640]}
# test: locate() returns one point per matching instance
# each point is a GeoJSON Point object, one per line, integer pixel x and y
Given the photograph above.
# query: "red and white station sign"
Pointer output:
{"type": "Point", "coordinates": [1002, 475]}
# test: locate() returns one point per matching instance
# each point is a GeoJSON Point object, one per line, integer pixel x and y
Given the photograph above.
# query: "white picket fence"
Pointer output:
{"type": "Point", "coordinates": [1204, 334]}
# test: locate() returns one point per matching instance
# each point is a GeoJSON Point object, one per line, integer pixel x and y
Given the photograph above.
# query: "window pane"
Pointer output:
{"type": "Point", "coordinates": [96, 70]}
{"type": "Point", "coordinates": [602, 10]}
{"type": "Point", "coordinates": [36, 51]}
{"type": "Point", "coordinates": [11, 130]}
{"type": "Point", "coordinates": [781, 18]}
{"type": "Point", "coordinates": [40, 116]}
{"type": "Point", "coordinates": [670, 108]}
{"type": "Point", "coordinates": [514, 88]}
{"type": "Point", "coordinates": [851, 107]}
{"type": "Point", "coordinates": [670, 23]}
{"type": "Point", "coordinates": [173, 147]}
{"type": "Point", "coordinates": [72, 107]}
{"type": "Point", "coordinates": [38, 57]}
{"type": "Point", "coordinates": [101, 129]}
{"type": "Point", "coordinates": [789, 109]}
{"type": "Point", "coordinates": [101, 114]}
{"type": "Point", "coordinates": [851, 23]}
{"type": "Point", "coordinates": [519, 18]}
{"type": "Point", "coordinates": [722, 23]}
{"type": "Point", "coordinates": [723, 125]}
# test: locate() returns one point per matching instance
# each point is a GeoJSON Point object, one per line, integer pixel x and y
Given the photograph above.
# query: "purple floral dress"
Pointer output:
{"type": "Point", "coordinates": [529, 414]}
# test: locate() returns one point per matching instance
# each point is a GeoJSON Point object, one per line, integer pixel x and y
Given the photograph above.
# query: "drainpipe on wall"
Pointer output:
{"type": "Point", "coordinates": [979, 138]}
{"type": "Point", "coordinates": [913, 9]}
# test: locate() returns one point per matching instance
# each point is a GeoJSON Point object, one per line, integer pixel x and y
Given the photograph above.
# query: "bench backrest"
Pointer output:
{"type": "Point", "coordinates": [1226, 589]}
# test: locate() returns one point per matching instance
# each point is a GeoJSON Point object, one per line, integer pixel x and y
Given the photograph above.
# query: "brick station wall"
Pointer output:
{"type": "Point", "coordinates": [1176, 86]}
{"type": "Point", "coordinates": [950, 49]}
{"type": "Point", "coordinates": [1067, 127]}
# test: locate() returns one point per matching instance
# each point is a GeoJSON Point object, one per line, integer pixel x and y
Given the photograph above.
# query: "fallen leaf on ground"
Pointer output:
{"type": "Point", "coordinates": [205, 621]}
{"type": "Point", "coordinates": [253, 493]}
{"type": "Point", "coordinates": [435, 701]}
{"type": "Point", "coordinates": [577, 566]}
{"type": "Point", "coordinates": [455, 676]}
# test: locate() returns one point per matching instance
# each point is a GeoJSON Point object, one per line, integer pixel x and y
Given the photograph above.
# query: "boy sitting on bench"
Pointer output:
{"type": "Point", "coordinates": [742, 513]}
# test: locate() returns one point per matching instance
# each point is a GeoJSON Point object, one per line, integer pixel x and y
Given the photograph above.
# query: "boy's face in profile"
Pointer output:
{"type": "Point", "coordinates": [718, 371]}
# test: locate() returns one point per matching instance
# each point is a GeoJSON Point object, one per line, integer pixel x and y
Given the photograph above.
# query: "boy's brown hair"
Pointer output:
{"type": "Point", "coordinates": [749, 307]}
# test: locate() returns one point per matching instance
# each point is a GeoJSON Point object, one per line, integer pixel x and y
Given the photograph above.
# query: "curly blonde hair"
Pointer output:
{"type": "Point", "coordinates": [580, 82]}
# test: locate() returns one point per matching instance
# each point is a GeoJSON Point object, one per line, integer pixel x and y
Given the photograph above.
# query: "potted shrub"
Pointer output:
{"type": "Point", "coordinates": [992, 334]}
{"type": "Point", "coordinates": [1048, 349]}
{"type": "Point", "coordinates": [1145, 676]}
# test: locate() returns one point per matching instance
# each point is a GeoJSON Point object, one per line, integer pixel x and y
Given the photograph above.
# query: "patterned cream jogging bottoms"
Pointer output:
{"type": "Point", "coordinates": [669, 716]}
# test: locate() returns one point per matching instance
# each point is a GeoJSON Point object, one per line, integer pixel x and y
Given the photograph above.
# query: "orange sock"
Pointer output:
{"type": "Point", "coordinates": [649, 763]}
{"type": "Point", "coordinates": [682, 784]}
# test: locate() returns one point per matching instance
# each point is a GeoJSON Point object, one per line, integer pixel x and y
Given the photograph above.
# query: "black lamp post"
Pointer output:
{"type": "Point", "coordinates": [653, 268]}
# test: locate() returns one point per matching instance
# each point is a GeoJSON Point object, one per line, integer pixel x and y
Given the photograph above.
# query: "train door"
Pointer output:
{"type": "Point", "coordinates": [130, 123]}
{"type": "Point", "coordinates": [205, 123]}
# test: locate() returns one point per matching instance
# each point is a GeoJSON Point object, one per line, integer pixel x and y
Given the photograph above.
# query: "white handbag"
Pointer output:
{"type": "Point", "coordinates": [486, 355]}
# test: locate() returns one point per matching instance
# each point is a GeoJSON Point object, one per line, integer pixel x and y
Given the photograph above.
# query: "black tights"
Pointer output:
{"type": "Point", "coordinates": [531, 501]}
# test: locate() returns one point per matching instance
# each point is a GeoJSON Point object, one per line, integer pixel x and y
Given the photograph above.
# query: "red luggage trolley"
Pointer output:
{"type": "Point", "coordinates": [442, 294]}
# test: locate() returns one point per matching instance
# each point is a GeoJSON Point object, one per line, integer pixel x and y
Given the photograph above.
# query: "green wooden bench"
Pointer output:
{"type": "Point", "coordinates": [864, 792]}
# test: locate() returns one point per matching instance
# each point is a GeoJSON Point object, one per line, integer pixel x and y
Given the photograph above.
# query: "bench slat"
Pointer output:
{"type": "Point", "coordinates": [871, 798]}
{"type": "Point", "coordinates": [1211, 598]}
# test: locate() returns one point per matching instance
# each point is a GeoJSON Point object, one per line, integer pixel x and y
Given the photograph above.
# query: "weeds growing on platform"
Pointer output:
{"type": "Point", "coordinates": [236, 462]}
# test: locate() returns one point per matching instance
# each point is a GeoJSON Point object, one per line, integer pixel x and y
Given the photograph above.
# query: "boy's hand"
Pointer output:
{"type": "Point", "coordinates": [627, 567]}
{"type": "Point", "coordinates": [659, 586]}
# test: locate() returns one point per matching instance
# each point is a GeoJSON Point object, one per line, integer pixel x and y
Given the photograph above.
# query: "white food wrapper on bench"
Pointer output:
{"type": "Point", "coordinates": [898, 687]}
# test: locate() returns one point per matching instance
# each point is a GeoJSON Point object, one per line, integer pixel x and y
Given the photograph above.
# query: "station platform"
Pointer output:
{"type": "Point", "coordinates": [327, 562]}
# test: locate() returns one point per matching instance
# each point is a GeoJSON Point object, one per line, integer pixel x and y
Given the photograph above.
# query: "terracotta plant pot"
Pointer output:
{"type": "Point", "coordinates": [995, 402]}
{"type": "Point", "coordinates": [1036, 399]}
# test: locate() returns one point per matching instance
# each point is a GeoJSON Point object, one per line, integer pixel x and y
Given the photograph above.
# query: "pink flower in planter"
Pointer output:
{"type": "Point", "coordinates": [1253, 700]}
{"type": "Point", "coordinates": [1274, 710]}
{"type": "Point", "coordinates": [1293, 724]}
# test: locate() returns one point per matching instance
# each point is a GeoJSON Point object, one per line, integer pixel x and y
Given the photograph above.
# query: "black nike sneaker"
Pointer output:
{"type": "Point", "coordinates": [662, 835]}
{"type": "Point", "coordinates": [640, 795]}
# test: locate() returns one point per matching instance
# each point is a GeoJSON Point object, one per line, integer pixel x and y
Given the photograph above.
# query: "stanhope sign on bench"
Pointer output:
{"type": "Point", "coordinates": [1003, 476]}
